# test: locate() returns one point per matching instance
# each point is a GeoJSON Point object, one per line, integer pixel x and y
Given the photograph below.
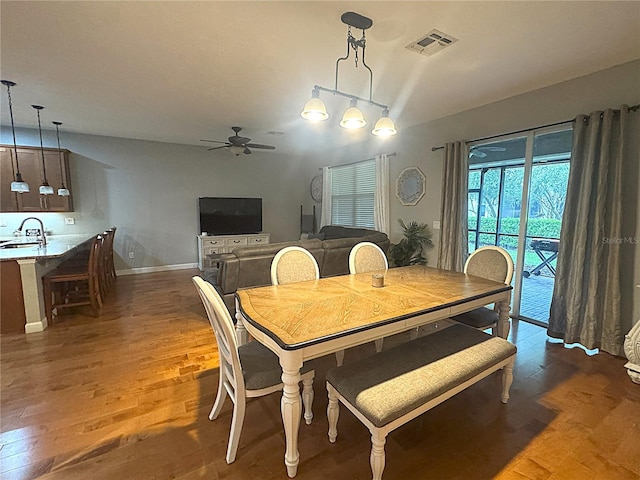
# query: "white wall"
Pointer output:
{"type": "Point", "coordinates": [150, 191]}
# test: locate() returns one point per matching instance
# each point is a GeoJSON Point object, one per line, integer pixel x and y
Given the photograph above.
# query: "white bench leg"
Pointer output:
{"type": "Point", "coordinates": [507, 379]}
{"type": "Point", "coordinates": [333, 411]}
{"type": "Point", "coordinates": [307, 399]}
{"type": "Point", "coordinates": [378, 439]}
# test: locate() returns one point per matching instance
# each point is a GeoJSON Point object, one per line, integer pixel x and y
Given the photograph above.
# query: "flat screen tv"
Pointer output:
{"type": "Point", "coordinates": [230, 216]}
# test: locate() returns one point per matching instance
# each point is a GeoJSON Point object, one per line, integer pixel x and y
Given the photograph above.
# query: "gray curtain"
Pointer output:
{"type": "Point", "coordinates": [453, 242]}
{"type": "Point", "coordinates": [585, 307]}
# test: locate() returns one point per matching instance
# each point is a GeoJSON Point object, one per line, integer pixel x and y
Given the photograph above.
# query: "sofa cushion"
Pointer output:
{"type": "Point", "coordinates": [336, 231]}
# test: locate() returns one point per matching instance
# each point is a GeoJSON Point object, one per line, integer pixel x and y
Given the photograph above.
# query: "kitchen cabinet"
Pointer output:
{"type": "Point", "coordinates": [32, 172]}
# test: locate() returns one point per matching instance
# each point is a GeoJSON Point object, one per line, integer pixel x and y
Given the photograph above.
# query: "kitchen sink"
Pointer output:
{"type": "Point", "coordinates": [19, 244]}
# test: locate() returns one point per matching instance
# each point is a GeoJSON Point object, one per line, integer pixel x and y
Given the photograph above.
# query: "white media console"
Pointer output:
{"type": "Point", "coordinates": [208, 245]}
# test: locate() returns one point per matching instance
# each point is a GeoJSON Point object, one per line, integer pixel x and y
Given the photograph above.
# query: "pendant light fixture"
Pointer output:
{"type": "Point", "coordinates": [384, 126]}
{"type": "Point", "coordinates": [63, 192]}
{"type": "Point", "coordinates": [353, 117]}
{"type": "Point", "coordinates": [315, 109]}
{"type": "Point", "coordinates": [45, 188]}
{"type": "Point", "coordinates": [18, 185]}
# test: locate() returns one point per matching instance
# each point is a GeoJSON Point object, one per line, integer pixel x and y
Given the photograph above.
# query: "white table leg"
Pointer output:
{"type": "Point", "coordinates": [504, 325]}
{"type": "Point", "coordinates": [241, 332]}
{"type": "Point", "coordinates": [291, 408]}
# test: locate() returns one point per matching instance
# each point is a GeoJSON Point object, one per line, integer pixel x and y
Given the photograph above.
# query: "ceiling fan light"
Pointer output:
{"type": "Point", "coordinates": [19, 186]}
{"type": "Point", "coordinates": [63, 192]}
{"type": "Point", "coordinates": [353, 117]}
{"type": "Point", "coordinates": [315, 109]}
{"type": "Point", "coordinates": [46, 189]}
{"type": "Point", "coordinates": [236, 150]}
{"type": "Point", "coordinates": [384, 126]}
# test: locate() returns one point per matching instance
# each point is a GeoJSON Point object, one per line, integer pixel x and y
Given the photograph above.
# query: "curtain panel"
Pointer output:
{"type": "Point", "coordinates": [453, 243]}
{"type": "Point", "coordinates": [381, 208]}
{"type": "Point", "coordinates": [585, 307]}
{"type": "Point", "coordinates": [325, 212]}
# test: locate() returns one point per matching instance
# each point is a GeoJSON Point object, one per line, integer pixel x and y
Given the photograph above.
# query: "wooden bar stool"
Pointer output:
{"type": "Point", "coordinates": [111, 269]}
{"type": "Point", "coordinates": [72, 284]}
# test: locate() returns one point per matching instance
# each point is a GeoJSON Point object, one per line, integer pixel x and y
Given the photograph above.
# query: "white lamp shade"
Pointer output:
{"type": "Point", "coordinates": [63, 192]}
{"type": "Point", "coordinates": [20, 187]}
{"type": "Point", "coordinates": [236, 150]}
{"type": "Point", "coordinates": [46, 189]}
{"type": "Point", "coordinates": [314, 110]}
{"type": "Point", "coordinates": [384, 127]}
{"type": "Point", "coordinates": [353, 118]}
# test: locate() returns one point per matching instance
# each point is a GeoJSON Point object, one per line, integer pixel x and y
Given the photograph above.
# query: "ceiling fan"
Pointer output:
{"type": "Point", "coordinates": [238, 144]}
{"type": "Point", "coordinates": [481, 150]}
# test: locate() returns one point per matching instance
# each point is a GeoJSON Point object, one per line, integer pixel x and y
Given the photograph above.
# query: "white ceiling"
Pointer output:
{"type": "Point", "coordinates": [182, 71]}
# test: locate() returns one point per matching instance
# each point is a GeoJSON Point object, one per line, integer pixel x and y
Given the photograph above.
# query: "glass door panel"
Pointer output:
{"type": "Point", "coordinates": [517, 189]}
{"type": "Point", "coordinates": [547, 193]}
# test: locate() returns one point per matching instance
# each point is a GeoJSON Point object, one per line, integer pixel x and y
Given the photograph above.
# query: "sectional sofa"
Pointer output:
{"type": "Point", "coordinates": [251, 266]}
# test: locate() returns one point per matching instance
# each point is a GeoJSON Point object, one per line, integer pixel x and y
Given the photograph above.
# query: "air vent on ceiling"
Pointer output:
{"type": "Point", "coordinates": [431, 43]}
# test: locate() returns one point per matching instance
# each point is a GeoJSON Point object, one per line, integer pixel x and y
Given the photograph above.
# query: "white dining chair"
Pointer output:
{"type": "Point", "coordinates": [492, 263]}
{"type": "Point", "coordinates": [246, 371]}
{"type": "Point", "coordinates": [293, 264]}
{"type": "Point", "coordinates": [368, 257]}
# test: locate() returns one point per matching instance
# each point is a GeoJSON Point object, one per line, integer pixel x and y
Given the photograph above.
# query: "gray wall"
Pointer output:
{"type": "Point", "coordinates": [150, 191]}
{"type": "Point", "coordinates": [606, 89]}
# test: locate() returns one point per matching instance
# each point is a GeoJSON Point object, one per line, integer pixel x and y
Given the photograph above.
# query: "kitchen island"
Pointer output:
{"type": "Point", "coordinates": [33, 261]}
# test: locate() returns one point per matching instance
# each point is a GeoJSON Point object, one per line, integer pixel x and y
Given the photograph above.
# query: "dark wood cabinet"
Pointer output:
{"type": "Point", "coordinates": [32, 172]}
{"type": "Point", "coordinates": [12, 315]}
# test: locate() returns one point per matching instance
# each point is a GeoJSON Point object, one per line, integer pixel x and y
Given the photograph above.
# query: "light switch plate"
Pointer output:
{"type": "Point", "coordinates": [436, 224]}
{"type": "Point", "coordinates": [69, 221]}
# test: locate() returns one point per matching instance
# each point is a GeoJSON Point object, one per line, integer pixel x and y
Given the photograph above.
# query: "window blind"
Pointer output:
{"type": "Point", "coordinates": [353, 190]}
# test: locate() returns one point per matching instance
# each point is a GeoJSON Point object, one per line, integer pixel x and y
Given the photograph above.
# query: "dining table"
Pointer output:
{"type": "Point", "coordinates": [306, 320]}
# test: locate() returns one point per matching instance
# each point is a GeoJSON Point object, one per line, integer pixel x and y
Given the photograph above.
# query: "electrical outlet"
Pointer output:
{"type": "Point", "coordinates": [436, 224]}
{"type": "Point", "coordinates": [131, 255]}
{"type": "Point", "coordinates": [69, 221]}
{"type": "Point", "coordinates": [3, 223]}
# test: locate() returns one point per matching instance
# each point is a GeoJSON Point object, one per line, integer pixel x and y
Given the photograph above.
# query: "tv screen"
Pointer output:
{"type": "Point", "coordinates": [230, 216]}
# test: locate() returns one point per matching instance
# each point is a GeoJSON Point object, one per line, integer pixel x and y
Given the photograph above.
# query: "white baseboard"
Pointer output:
{"type": "Point", "coordinates": [160, 268]}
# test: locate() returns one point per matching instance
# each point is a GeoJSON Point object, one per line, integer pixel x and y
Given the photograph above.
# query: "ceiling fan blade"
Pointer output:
{"type": "Point", "coordinates": [236, 140]}
{"type": "Point", "coordinates": [217, 148]}
{"type": "Point", "coordinates": [477, 153]}
{"type": "Point", "coordinates": [492, 149]}
{"type": "Point", "coordinates": [247, 151]}
{"type": "Point", "coordinates": [257, 145]}
{"type": "Point", "coordinates": [213, 141]}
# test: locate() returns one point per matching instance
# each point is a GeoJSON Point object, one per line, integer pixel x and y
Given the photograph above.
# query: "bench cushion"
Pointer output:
{"type": "Point", "coordinates": [387, 385]}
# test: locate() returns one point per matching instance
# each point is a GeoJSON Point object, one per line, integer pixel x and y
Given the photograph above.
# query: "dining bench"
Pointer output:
{"type": "Point", "coordinates": [388, 389]}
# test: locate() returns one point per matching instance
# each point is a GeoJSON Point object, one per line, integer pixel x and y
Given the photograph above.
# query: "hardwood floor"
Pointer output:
{"type": "Point", "coordinates": [126, 396]}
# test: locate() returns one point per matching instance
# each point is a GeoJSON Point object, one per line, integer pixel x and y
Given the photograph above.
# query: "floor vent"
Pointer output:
{"type": "Point", "coordinates": [432, 43]}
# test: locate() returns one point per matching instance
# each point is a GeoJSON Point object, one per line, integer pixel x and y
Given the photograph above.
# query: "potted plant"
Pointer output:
{"type": "Point", "coordinates": [409, 251]}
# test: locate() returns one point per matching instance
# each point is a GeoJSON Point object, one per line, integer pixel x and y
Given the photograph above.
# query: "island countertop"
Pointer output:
{"type": "Point", "coordinates": [57, 246]}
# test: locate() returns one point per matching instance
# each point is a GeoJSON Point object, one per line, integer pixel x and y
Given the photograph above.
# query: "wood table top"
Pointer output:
{"type": "Point", "coordinates": [304, 313]}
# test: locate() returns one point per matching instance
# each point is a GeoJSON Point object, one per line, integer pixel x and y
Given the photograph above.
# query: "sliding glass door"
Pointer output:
{"type": "Point", "coordinates": [517, 188]}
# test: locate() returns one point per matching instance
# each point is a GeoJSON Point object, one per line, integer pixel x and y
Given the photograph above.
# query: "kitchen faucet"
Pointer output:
{"type": "Point", "coordinates": [43, 240]}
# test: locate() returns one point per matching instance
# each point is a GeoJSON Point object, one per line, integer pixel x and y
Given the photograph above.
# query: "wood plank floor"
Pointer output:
{"type": "Point", "coordinates": [126, 396]}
